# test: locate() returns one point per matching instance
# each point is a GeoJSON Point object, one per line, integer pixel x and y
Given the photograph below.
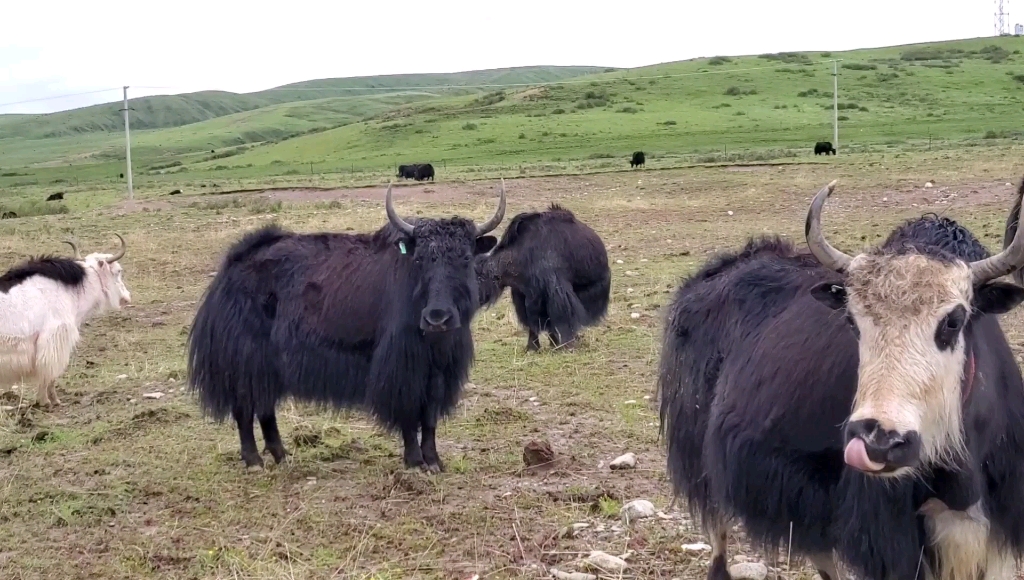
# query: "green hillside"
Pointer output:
{"type": "Point", "coordinates": [766, 107]}
{"type": "Point", "coordinates": [177, 110]}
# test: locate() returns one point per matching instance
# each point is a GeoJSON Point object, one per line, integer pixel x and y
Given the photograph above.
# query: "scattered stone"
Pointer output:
{"type": "Point", "coordinates": [469, 386]}
{"type": "Point", "coordinates": [636, 305]}
{"type": "Point", "coordinates": [698, 548]}
{"type": "Point", "coordinates": [929, 184]}
{"type": "Point", "coordinates": [211, 274]}
{"type": "Point", "coordinates": [637, 509]}
{"type": "Point", "coordinates": [729, 212]}
{"type": "Point", "coordinates": [532, 399]}
{"type": "Point", "coordinates": [885, 199]}
{"type": "Point", "coordinates": [572, 575]}
{"type": "Point", "coordinates": [604, 562]}
{"type": "Point", "coordinates": [627, 461]}
{"type": "Point", "coordinates": [538, 453]}
{"type": "Point", "coordinates": [748, 571]}
{"type": "Point", "coordinates": [572, 530]}
{"type": "Point", "coordinates": [6, 408]}
{"type": "Point", "coordinates": [619, 262]}
{"type": "Point", "coordinates": [121, 377]}
{"type": "Point", "coordinates": [155, 395]}
{"type": "Point", "coordinates": [647, 397]}
{"type": "Point", "coordinates": [1009, 185]}
{"type": "Point", "coordinates": [644, 260]}
{"type": "Point", "coordinates": [632, 273]}
{"type": "Point", "coordinates": [634, 315]}
{"type": "Point", "coordinates": [629, 290]}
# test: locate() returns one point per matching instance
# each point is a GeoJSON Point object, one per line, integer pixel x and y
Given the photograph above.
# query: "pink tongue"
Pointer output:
{"type": "Point", "coordinates": [856, 456]}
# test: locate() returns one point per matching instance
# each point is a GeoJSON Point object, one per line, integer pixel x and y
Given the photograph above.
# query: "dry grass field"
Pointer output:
{"type": "Point", "coordinates": [115, 485]}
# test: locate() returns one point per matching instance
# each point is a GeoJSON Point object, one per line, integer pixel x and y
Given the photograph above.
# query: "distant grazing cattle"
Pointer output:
{"type": "Point", "coordinates": [637, 160]}
{"type": "Point", "coordinates": [55, 196]}
{"type": "Point", "coordinates": [425, 171]}
{"type": "Point", "coordinates": [8, 215]}
{"type": "Point", "coordinates": [865, 410]}
{"type": "Point", "coordinates": [121, 175]}
{"type": "Point", "coordinates": [824, 147]}
{"type": "Point", "coordinates": [175, 192]}
{"type": "Point", "coordinates": [42, 303]}
{"type": "Point", "coordinates": [408, 171]}
{"type": "Point", "coordinates": [379, 321]}
{"type": "Point", "coordinates": [557, 269]}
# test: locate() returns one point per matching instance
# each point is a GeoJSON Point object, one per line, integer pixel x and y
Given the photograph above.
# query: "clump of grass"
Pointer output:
{"type": "Point", "coordinates": [628, 110]}
{"type": "Point", "coordinates": [33, 207]}
{"type": "Point", "coordinates": [859, 66]}
{"type": "Point", "coordinates": [718, 60]}
{"type": "Point", "coordinates": [469, 127]}
{"type": "Point", "coordinates": [737, 91]}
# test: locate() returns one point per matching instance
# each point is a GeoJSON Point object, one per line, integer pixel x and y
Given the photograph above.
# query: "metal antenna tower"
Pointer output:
{"type": "Point", "coordinates": [1002, 17]}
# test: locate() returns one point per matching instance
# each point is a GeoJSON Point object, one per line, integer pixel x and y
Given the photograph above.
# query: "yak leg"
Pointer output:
{"type": "Point", "coordinates": [413, 453]}
{"type": "Point", "coordinates": [428, 423]}
{"type": "Point", "coordinates": [272, 437]}
{"type": "Point", "coordinates": [250, 454]}
{"type": "Point", "coordinates": [719, 535]}
{"type": "Point", "coordinates": [826, 566]}
{"type": "Point", "coordinates": [527, 319]}
{"type": "Point", "coordinates": [53, 353]}
{"type": "Point", "coordinates": [565, 311]}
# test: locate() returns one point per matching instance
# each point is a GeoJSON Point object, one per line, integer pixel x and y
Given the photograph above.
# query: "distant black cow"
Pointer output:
{"type": "Point", "coordinates": [407, 171]}
{"type": "Point", "coordinates": [863, 409]}
{"type": "Point", "coordinates": [557, 269]}
{"type": "Point", "coordinates": [121, 175]}
{"type": "Point", "coordinates": [424, 172]}
{"type": "Point", "coordinates": [637, 160]}
{"type": "Point", "coordinates": [56, 196]}
{"type": "Point", "coordinates": [379, 321]}
{"type": "Point", "coordinates": [8, 215]}
{"type": "Point", "coordinates": [175, 192]}
{"type": "Point", "coordinates": [824, 147]}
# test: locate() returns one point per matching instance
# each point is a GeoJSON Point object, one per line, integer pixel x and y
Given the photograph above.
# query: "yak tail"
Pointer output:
{"type": "Point", "coordinates": [594, 299]}
{"type": "Point", "coordinates": [566, 314]}
{"type": "Point", "coordinates": [1011, 229]}
{"type": "Point", "coordinates": [231, 363]}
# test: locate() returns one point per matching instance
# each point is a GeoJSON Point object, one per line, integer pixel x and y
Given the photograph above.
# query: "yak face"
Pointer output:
{"type": "Point", "coordinates": [911, 311]}
{"type": "Point", "coordinates": [109, 273]}
{"type": "Point", "coordinates": [443, 254]}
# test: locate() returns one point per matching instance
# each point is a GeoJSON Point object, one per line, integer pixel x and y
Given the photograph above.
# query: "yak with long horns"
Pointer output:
{"type": "Point", "coordinates": [376, 321]}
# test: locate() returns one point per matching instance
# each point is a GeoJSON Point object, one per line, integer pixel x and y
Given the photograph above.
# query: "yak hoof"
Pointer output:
{"type": "Point", "coordinates": [433, 468]}
{"type": "Point", "coordinates": [279, 453]}
{"type": "Point", "coordinates": [252, 461]}
{"type": "Point", "coordinates": [532, 346]}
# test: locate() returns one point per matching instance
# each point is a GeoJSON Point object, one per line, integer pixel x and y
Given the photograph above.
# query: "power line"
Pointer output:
{"type": "Point", "coordinates": [53, 98]}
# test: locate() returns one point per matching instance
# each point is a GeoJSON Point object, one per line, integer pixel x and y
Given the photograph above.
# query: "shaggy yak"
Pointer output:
{"type": "Point", "coordinates": [557, 269]}
{"type": "Point", "coordinates": [861, 409]}
{"type": "Point", "coordinates": [379, 321]}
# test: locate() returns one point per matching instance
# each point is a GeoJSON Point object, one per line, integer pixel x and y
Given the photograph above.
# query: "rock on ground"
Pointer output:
{"type": "Point", "coordinates": [637, 509]}
{"type": "Point", "coordinates": [627, 461]}
{"type": "Point", "coordinates": [748, 571]}
{"type": "Point", "coordinates": [605, 562]}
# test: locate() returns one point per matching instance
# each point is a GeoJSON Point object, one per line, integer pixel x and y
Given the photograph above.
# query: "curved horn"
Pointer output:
{"type": "Point", "coordinates": [1007, 261]}
{"type": "Point", "coordinates": [120, 252]}
{"type": "Point", "coordinates": [819, 246]}
{"type": "Point", "coordinates": [78, 254]}
{"type": "Point", "coordinates": [393, 217]}
{"type": "Point", "coordinates": [498, 215]}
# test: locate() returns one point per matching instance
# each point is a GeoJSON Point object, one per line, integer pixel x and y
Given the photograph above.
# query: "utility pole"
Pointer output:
{"type": "Point", "coordinates": [128, 146]}
{"type": "Point", "coordinates": [835, 106]}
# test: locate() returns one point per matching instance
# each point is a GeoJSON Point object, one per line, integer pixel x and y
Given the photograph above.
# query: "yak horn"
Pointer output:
{"type": "Point", "coordinates": [120, 252]}
{"type": "Point", "coordinates": [78, 254]}
{"type": "Point", "coordinates": [819, 246]}
{"type": "Point", "coordinates": [393, 217]}
{"type": "Point", "coordinates": [1003, 263]}
{"type": "Point", "coordinates": [498, 215]}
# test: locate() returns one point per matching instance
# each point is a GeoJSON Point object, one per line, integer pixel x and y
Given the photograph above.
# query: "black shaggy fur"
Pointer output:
{"type": "Point", "coordinates": [424, 172]}
{"type": "Point", "coordinates": [557, 269]}
{"type": "Point", "coordinates": [757, 378]}
{"type": "Point", "coordinates": [338, 319]}
{"type": "Point", "coordinates": [824, 147]}
{"type": "Point", "coordinates": [63, 270]}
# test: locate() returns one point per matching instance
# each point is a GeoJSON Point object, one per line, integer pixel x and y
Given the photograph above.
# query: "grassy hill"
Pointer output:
{"type": "Point", "coordinates": [167, 111]}
{"type": "Point", "coordinates": [960, 93]}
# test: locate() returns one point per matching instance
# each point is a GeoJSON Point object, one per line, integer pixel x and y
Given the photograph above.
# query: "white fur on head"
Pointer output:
{"type": "Point", "coordinates": [905, 381]}
{"type": "Point", "coordinates": [111, 278]}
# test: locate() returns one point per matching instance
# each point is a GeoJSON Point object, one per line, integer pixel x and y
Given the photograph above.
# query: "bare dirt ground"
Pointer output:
{"type": "Point", "coordinates": [116, 485]}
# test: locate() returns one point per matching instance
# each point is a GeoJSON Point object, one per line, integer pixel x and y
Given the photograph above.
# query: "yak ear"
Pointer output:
{"type": "Point", "coordinates": [406, 245]}
{"type": "Point", "coordinates": [997, 297]}
{"type": "Point", "coordinates": [485, 244]}
{"type": "Point", "coordinates": [831, 294]}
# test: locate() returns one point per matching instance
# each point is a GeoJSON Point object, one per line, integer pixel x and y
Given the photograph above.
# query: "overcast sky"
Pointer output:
{"type": "Point", "coordinates": [55, 47]}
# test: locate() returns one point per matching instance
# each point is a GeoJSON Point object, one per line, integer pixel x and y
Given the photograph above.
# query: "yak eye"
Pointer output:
{"type": "Point", "coordinates": [949, 328]}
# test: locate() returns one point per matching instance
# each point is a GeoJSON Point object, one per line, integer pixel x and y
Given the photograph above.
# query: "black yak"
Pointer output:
{"type": "Point", "coordinates": [424, 172]}
{"type": "Point", "coordinates": [55, 196]}
{"type": "Point", "coordinates": [557, 269]}
{"type": "Point", "coordinates": [824, 147]}
{"type": "Point", "coordinates": [379, 321]}
{"type": "Point", "coordinates": [865, 407]}
{"type": "Point", "coordinates": [407, 171]}
{"type": "Point", "coordinates": [637, 160]}
{"type": "Point", "coordinates": [8, 215]}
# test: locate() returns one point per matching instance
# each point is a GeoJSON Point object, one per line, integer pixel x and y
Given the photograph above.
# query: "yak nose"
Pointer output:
{"type": "Point", "coordinates": [437, 319]}
{"type": "Point", "coordinates": [126, 300]}
{"type": "Point", "coordinates": [873, 449]}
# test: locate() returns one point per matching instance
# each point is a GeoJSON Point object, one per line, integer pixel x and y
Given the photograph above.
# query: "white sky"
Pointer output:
{"type": "Point", "coordinates": [55, 47]}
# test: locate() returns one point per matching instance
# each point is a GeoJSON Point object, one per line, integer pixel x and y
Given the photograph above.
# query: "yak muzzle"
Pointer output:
{"type": "Point", "coordinates": [439, 319]}
{"type": "Point", "coordinates": [878, 451]}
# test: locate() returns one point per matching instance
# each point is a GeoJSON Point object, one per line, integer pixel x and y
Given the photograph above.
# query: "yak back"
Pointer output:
{"type": "Point", "coordinates": [64, 271]}
{"type": "Point", "coordinates": [552, 239]}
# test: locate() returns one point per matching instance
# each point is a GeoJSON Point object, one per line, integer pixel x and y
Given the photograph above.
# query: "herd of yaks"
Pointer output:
{"type": "Point", "coordinates": [863, 410]}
